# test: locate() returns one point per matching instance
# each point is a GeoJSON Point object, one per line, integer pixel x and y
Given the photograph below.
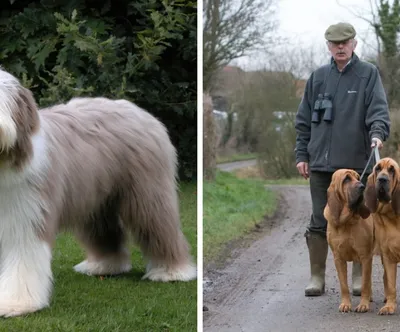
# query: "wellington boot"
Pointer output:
{"type": "Point", "coordinates": [318, 251]}
{"type": "Point", "coordinates": [356, 278]}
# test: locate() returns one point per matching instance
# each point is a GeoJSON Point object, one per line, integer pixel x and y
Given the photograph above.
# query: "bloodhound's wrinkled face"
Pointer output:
{"type": "Point", "coordinates": [346, 190]}
{"type": "Point", "coordinates": [383, 185]}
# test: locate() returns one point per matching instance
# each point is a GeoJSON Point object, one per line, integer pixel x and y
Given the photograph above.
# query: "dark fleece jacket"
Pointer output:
{"type": "Point", "coordinates": [359, 113]}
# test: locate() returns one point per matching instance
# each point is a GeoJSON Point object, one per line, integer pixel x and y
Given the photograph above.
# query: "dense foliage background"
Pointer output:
{"type": "Point", "coordinates": [142, 50]}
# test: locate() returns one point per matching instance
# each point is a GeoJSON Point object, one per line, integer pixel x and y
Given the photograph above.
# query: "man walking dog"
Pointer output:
{"type": "Point", "coordinates": [343, 113]}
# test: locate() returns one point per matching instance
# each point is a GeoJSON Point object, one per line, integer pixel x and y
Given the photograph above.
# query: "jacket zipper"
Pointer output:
{"type": "Point", "coordinates": [328, 154]}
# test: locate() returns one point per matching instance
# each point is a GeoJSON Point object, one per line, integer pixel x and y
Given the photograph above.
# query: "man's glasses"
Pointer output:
{"type": "Point", "coordinates": [343, 42]}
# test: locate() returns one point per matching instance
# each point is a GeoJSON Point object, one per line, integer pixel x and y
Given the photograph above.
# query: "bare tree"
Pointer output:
{"type": "Point", "coordinates": [384, 18]}
{"type": "Point", "coordinates": [234, 28]}
{"type": "Point", "coordinates": [266, 102]}
{"type": "Point", "coordinates": [369, 14]}
{"type": "Point", "coordinates": [209, 139]}
{"type": "Point", "coordinates": [301, 61]}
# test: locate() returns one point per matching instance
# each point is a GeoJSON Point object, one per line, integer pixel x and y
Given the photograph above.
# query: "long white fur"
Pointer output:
{"type": "Point", "coordinates": [25, 273]}
{"type": "Point", "coordinates": [25, 258]}
{"type": "Point", "coordinates": [164, 274]}
{"type": "Point", "coordinates": [109, 265]}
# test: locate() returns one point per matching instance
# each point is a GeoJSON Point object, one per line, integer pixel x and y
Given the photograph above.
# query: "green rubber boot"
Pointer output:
{"type": "Point", "coordinates": [356, 278]}
{"type": "Point", "coordinates": [318, 251]}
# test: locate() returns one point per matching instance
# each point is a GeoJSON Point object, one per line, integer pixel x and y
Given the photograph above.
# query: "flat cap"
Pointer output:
{"type": "Point", "coordinates": [340, 32]}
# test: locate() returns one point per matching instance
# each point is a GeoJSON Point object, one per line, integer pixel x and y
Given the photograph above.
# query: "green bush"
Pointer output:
{"type": "Point", "coordinates": [142, 50]}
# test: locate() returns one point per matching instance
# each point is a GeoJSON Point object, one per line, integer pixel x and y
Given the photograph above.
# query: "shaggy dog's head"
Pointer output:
{"type": "Point", "coordinates": [383, 185]}
{"type": "Point", "coordinates": [19, 121]}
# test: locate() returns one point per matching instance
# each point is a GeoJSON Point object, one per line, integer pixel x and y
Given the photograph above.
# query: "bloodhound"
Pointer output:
{"type": "Point", "coordinates": [382, 197]}
{"type": "Point", "coordinates": [350, 233]}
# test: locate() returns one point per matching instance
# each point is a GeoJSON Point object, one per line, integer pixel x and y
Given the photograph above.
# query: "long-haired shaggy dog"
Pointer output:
{"type": "Point", "coordinates": [102, 169]}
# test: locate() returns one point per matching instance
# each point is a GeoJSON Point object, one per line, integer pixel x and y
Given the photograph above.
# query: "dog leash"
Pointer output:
{"type": "Point", "coordinates": [377, 157]}
{"type": "Point", "coordinates": [375, 153]}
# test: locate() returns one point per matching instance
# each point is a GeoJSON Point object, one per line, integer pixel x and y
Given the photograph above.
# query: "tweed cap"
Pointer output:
{"type": "Point", "coordinates": [340, 32]}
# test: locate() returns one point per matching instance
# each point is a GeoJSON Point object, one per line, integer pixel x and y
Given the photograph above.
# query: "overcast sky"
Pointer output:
{"type": "Point", "coordinates": [305, 21]}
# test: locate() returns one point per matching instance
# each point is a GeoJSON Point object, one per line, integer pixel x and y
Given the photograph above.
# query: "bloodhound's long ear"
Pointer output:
{"type": "Point", "coordinates": [363, 211]}
{"type": "Point", "coordinates": [396, 197]}
{"type": "Point", "coordinates": [370, 197]}
{"type": "Point", "coordinates": [335, 204]}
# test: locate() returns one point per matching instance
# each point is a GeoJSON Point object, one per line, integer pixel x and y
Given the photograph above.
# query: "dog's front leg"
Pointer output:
{"type": "Point", "coordinates": [341, 268]}
{"type": "Point", "coordinates": [366, 288]}
{"type": "Point", "coordinates": [390, 276]}
{"type": "Point", "coordinates": [25, 275]}
{"type": "Point", "coordinates": [385, 283]}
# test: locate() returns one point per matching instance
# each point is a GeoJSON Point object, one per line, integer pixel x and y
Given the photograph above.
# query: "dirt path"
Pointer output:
{"type": "Point", "coordinates": [262, 288]}
{"type": "Point", "coordinates": [236, 165]}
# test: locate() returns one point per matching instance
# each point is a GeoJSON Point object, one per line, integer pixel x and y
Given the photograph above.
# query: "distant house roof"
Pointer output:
{"type": "Point", "coordinates": [232, 68]}
{"type": "Point", "coordinates": [227, 80]}
{"type": "Point", "coordinates": [300, 86]}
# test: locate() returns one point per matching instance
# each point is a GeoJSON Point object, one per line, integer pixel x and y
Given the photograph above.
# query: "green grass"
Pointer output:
{"type": "Point", "coordinates": [236, 157]}
{"type": "Point", "coordinates": [114, 304]}
{"type": "Point", "coordinates": [231, 207]}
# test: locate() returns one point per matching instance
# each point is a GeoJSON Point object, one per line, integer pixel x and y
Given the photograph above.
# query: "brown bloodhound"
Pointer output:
{"type": "Point", "coordinates": [350, 234]}
{"type": "Point", "coordinates": [382, 197]}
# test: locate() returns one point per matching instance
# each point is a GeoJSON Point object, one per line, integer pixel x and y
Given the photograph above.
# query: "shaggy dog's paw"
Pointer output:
{"type": "Point", "coordinates": [104, 267]}
{"type": "Point", "coordinates": [161, 273]}
{"type": "Point", "coordinates": [15, 310]}
{"type": "Point", "coordinates": [388, 309]}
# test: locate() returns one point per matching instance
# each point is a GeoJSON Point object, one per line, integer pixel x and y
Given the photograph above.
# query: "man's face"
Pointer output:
{"type": "Point", "coordinates": [342, 51]}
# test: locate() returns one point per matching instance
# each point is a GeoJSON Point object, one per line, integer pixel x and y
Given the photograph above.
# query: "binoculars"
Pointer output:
{"type": "Point", "coordinates": [322, 105]}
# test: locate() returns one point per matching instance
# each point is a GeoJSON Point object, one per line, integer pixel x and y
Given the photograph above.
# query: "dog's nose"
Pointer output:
{"type": "Point", "coordinates": [383, 179]}
{"type": "Point", "coordinates": [361, 187]}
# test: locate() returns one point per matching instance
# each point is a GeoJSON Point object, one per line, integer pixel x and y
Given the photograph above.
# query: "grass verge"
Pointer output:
{"type": "Point", "coordinates": [123, 303]}
{"type": "Point", "coordinates": [236, 157]}
{"type": "Point", "coordinates": [231, 207]}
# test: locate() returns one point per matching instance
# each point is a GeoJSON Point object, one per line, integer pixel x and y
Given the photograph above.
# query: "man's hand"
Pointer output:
{"type": "Point", "coordinates": [302, 167]}
{"type": "Point", "coordinates": [375, 142]}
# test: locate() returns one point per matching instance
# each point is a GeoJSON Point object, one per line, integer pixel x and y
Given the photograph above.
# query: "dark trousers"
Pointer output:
{"type": "Point", "coordinates": [319, 183]}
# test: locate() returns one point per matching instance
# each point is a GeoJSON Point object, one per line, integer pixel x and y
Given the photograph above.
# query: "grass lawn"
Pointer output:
{"type": "Point", "coordinates": [231, 206]}
{"type": "Point", "coordinates": [236, 157]}
{"type": "Point", "coordinates": [124, 303]}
